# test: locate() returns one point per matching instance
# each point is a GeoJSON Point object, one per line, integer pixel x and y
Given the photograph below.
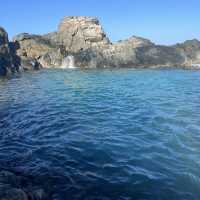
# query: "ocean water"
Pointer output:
{"type": "Point", "coordinates": [104, 134]}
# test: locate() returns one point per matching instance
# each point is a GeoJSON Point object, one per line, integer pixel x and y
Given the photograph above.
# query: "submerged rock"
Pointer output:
{"type": "Point", "coordinates": [15, 194]}
{"type": "Point", "coordinates": [17, 187]}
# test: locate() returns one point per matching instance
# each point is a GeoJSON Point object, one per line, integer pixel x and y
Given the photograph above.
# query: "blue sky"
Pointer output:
{"type": "Point", "coordinates": [162, 21]}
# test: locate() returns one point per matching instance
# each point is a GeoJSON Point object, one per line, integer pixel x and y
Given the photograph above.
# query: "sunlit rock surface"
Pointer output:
{"type": "Point", "coordinates": [85, 40]}
{"type": "Point", "coordinates": [190, 51]}
{"type": "Point", "coordinates": [80, 33]}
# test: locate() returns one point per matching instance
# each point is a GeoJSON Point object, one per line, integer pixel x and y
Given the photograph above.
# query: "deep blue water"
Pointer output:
{"type": "Point", "coordinates": [104, 134]}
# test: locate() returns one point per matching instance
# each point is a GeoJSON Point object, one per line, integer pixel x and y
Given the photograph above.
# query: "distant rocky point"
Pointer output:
{"type": "Point", "coordinates": [82, 42]}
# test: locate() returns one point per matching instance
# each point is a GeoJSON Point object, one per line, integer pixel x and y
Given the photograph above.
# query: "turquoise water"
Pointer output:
{"type": "Point", "coordinates": [104, 134]}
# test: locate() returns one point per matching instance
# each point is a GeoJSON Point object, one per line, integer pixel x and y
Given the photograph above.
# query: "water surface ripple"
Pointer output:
{"type": "Point", "coordinates": [104, 134]}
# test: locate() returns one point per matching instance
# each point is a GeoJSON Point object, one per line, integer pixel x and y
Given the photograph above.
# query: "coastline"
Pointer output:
{"type": "Point", "coordinates": [81, 42]}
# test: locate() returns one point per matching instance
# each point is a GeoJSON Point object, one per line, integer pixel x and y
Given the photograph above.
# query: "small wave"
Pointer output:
{"type": "Point", "coordinates": [104, 134]}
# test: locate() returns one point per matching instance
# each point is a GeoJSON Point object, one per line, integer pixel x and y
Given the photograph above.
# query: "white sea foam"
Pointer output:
{"type": "Point", "coordinates": [68, 62]}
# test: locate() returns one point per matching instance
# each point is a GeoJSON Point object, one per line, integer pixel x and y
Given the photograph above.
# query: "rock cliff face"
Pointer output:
{"type": "Point", "coordinates": [6, 60]}
{"type": "Point", "coordinates": [190, 51]}
{"type": "Point", "coordinates": [81, 33]}
{"type": "Point", "coordinates": [32, 50]}
{"type": "Point", "coordinates": [140, 52]}
{"type": "Point", "coordinates": [80, 36]}
{"type": "Point", "coordinates": [159, 56]}
{"type": "Point", "coordinates": [83, 40]}
{"type": "Point", "coordinates": [124, 53]}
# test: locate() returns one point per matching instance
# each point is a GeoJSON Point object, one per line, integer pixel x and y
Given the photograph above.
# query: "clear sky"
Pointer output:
{"type": "Point", "coordinates": [162, 21]}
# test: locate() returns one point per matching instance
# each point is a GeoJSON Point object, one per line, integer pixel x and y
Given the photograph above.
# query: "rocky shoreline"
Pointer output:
{"type": "Point", "coordinates": [82, 42]}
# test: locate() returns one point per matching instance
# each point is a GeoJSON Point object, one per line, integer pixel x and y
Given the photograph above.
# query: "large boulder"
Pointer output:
{"type": "Point", "coordinates": [31, 48]}
{"type": "Point", "coordinates": [37, 51]}
{"type": "Point", "coordinates": [31, 45]}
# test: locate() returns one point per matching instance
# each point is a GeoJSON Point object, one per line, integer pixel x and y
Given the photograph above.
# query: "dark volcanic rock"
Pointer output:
{"type": "Point", "coordinates": [9, 61]}
{"type": "Point", "coordinates": [5, 57]}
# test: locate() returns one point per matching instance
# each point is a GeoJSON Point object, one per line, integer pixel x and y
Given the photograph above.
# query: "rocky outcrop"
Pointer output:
{"type": "Point", "coordinates": [5, 59]}
{"type": "Point", "coordinates": [81, 33]}
{"type": "Point", "coordinates": [140, 52]}
{"type": "Point", "coordinates": [83, 40]}
{"type": "Point", "coordinates": [80, 36]}
{"type": "Point", "coordinates": [6, 63]}
{"type": "Point", "coordinates": [159, 56]}
{"type": "Point", "coordinates": [190, 51]}
{"type": "Point", "coordinates": [9, 60]}
{"type": "Point", "coordinates": [33, 49]}
{"type": "Point", "coordinates": [124, 52]}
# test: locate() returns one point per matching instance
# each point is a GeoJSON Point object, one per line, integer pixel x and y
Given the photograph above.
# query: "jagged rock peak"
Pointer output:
{"type": "Point", "coordinates": [80, 20]}
{"type": "Point", "coordinates": [87, 28]}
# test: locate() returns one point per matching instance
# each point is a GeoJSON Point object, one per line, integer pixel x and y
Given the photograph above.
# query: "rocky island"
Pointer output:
{"type": "Point", "coordinates": [82, 42]}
